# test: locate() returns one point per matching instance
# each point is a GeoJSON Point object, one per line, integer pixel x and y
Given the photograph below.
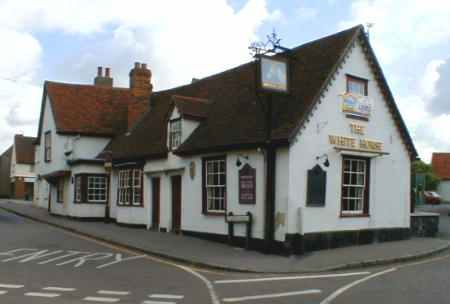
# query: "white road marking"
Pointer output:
{"type": "Point", "coordinates": [157, 302]}
{"type": "Point", "coordinates": [42, 294]}
{"type": "Point", "coordinates": [10, 286]}
{"type": "Point", "coordinates": [11, 252]}
{"type": "Point", "coordinates": [101, 299]}
{"type": "Point", "coordinates": [305, 277]}
{"type": "Point", "coordinates": [118, 258]}
{"type": "Point", "coordinates": [113, 292]}
{"type": "Point", "coordinates": [52, 288]}
{"type": "Point", "coordinates": [341, 290]}
{"type": "Point", "coordinates": [32, 256]}
{"type": "Point", "coordinates": [79, 261]}
{"type": "Point", "coordinates": [72, 253]}
{"type": "Point", "coordinates": [209, 285]}
{"type": "Point", "coordinates": [2, 292]}
{"type": "Point", "coordinates": [273, 295]}
{"type": "Point", "coordinates": [166, 296]}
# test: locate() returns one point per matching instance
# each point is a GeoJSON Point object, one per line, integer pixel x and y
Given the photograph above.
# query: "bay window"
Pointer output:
{"type": "Point", "coordinates": [355, 186]}
{"type": "Point", "coordinates": [91, 188]}
{"type": "Point", "coordinates": [214, 185]}
{"type": "Point", "coordinates": [130, 187]}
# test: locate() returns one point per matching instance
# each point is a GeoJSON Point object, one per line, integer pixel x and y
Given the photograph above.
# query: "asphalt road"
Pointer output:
{"type": "Point", "coordinates": [42, 264]}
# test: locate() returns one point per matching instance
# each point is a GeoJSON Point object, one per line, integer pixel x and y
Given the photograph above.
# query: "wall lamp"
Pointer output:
{"type": "Point", "coordinates": [238, 160]}
{"type": "Point", "coordinates": [326, 163]}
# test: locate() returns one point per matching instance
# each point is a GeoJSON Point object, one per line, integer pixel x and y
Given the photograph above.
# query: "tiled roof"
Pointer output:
{"type": "Point", "coordinates": [87, 109]}
{"type": "Point", "coordinates": [24, 146]}
{"type": "Point", "coordinates": [235, 117]}
{"type": "Point", "coordinates": [195, 108]}
{"type": "Point", "coordinates": [441, 165]}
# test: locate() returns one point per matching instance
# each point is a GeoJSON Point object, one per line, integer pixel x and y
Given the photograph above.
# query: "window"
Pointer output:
{"type": "Point", "coordinates": [48, 146]}
{"type": "Point", "coordinates": [96, 189]}
{"type": "Point", "coordinates": [60, 191]}
{"type": "Point", "coordinates": [130, 187]}
{"type": "Point", "coordinates": [356, 85]}
{"type": "Point", "coordinates": [214, 185]}
{"type": "Point", "coordinates": [78, 188]}
{"type": "Point", "coordinates": [174, 133]}
{"type": "Point", "coordinates": [91, 188]}
{"type": "Point", "coordinates": [355, 186]}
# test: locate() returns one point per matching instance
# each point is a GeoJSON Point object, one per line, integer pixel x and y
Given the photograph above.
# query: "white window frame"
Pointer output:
{"type": "Point", "coordinates": [175, 133]}
{"type": "Point", "coordinates": [215, 204]}
{"type": "Point", "coordinates": [78, 189]}
{"type": "Point", "coordinates": [357, 172]}
{"type": "Point", "coordinates": [96, 183]}
{"type": "Point", "coordinates": [130, 188]}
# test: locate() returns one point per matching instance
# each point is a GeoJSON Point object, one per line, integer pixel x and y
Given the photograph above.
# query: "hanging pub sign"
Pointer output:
{"type": "Point", "coordinates": [247, 185]}
{"type": "Point", "coordinates": [356, 105]}
{"type": "Point", "coordinates": [274, 74]}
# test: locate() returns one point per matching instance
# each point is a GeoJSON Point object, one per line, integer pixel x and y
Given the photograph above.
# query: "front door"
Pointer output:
{"type": "Point", "coordinates": [176, 203]}
{"type": "Point", "coordinates": [155, 201]}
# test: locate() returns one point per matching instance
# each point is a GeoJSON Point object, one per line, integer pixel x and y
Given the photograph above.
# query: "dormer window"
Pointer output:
{"type": "Point", "coordinates": [174, 133]}
{"type": "Point", "coordinates": [356, 85]}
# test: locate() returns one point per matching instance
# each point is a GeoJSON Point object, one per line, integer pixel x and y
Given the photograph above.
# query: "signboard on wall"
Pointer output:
{"type": "Point", "coordinates": [356, 105]}
{"type": "Point", "coordinates": [247, 185]}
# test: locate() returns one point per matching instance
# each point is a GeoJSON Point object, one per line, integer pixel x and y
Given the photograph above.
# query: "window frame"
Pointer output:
{"type": "Point", "coordinates": [131, 194]}
{"type": "Point", "coordinates": [47, 146]}
{"type": "Point", "coordinates": [205, 207]}
{"type": "Point", "coordinates": [353, 78]}
{"type": "Point", "coordinates": [82, 180]}
{"type": "Point", "coordinates": [171, 133]}
{"type": "Point", "coordinates": [366, 196]}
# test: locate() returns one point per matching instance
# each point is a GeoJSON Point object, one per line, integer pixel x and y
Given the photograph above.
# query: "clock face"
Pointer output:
{"type": "Point", "coordinates": [274, 74]}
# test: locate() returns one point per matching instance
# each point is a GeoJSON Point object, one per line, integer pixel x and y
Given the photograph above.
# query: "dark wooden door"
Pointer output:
{"type": "Point", "coordinates": [155, 201]}
{"type": "Point", "coordinates": [176, 203]}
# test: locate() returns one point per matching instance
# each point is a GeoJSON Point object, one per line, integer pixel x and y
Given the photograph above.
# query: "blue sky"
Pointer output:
{"type": "Point", "coordinates": [67, 40]}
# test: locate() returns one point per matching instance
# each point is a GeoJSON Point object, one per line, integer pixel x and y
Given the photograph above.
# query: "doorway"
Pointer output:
{"type": "Point", "coordinates": [176, 203]}
{"type": "Point", "coordinates": [156, 182]}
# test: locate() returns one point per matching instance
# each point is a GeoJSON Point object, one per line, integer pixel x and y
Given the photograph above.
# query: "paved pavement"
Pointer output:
{"type": "Point", "coordinates": [221, 256]}
{"type": "Point", "coordinates": [43, 264]}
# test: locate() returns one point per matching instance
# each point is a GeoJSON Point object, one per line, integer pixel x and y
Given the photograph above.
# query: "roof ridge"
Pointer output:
{"type": "Point", "coordinates": [191, 98]}
{"type": "Point", "coordinates": [85, 85]}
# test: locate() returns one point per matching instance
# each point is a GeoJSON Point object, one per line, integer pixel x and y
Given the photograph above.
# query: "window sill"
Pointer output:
{"type": "Point", "coordinates": [214, 213]}
{"type": "Point", "coordinates": [128, 206]}
{"type": "Point", "coordinates": [343, 215]}
{"type": "Point", "coordinates": [89, 203]}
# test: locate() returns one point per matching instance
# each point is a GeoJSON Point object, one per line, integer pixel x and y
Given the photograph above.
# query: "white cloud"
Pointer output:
{"type": "Point", "coordinates": [178, 39]}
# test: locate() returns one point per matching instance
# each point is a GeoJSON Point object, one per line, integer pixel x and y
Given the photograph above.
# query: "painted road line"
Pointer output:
{"type": "Point", "coordinates": [341, 290]}
{"type": "Point", "coordinates": [113, 292]}
{"type": "Point", "coordinates": [101, 299]}
{"type": "Point", "coordinates": [42, 294]}
{"type": "Point", "coordinates": [52, 288]}
{"type": "Point", "coordinates": [157, 302]}
{"type": "Point", "coordinates": [10, 286]}
{"type": "Point", "coordinates": [273, 295]}
{"type": "Point", "coordinates": [166, 296]}
{"type": "Point", "coordinates": [2, 292]}
{"type": "Point", "coordinates": [306, 277]}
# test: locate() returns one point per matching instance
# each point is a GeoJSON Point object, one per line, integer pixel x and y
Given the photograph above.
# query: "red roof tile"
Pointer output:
{"type": "Point", "coordinates": [441, 165]}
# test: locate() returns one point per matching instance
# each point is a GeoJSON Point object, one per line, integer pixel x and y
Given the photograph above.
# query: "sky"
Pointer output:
{"type": "Point", "coordinates": [63, 40]}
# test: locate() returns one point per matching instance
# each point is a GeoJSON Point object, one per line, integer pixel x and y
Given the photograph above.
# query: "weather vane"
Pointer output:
{"type": "Point", "coordinates": [270, 46]}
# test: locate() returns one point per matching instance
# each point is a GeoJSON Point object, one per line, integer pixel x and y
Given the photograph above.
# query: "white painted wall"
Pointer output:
{"type": "Point", "coordinates": [22, 170]}
{"type": "Point", "coordinates": [84, 147]}
{"type": "Point", "coordinates": [390, 174]}
{"type": "Point", "coordinates": [444, 190]}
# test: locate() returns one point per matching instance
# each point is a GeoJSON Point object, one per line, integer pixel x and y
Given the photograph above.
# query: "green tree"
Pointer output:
{"type": "Point", "coordinates": [431, 180]}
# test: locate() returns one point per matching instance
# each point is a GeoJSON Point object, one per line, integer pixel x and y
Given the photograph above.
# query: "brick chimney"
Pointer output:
{"type": "Point", "coordinates": [140, 80]}
{"type": "Point", "coordinates": [103, 80]}
{"type": "Point", "coordinates": [141, 88]}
